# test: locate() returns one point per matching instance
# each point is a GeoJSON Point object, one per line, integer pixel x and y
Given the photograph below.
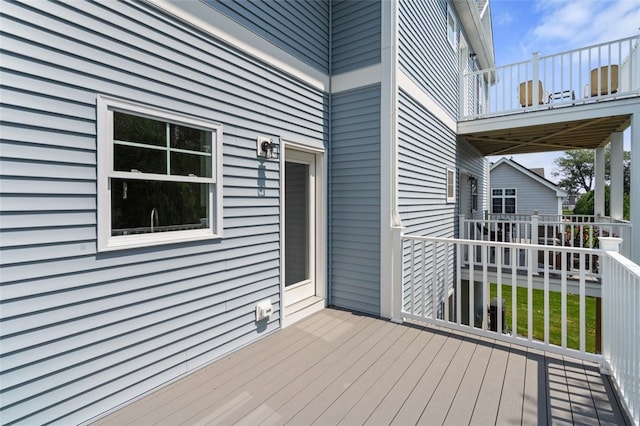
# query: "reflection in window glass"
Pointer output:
{"type": "Point", "coordinates": [132, 128]}
{"type": "Point", "coordinates": [142, 206]}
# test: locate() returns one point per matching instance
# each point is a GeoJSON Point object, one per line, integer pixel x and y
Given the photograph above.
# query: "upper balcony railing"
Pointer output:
{"type": "Point", "coordinates": [603, 71]}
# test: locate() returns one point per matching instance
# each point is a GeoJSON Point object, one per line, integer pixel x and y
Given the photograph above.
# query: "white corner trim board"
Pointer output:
{"type": "Point", "coordinates": [216, 24]}
{"type": "Point", "coordinates": [405, 83]}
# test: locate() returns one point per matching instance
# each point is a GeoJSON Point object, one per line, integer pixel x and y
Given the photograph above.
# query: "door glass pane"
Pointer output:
{"type": "Point", "coordinates": [296, 223]}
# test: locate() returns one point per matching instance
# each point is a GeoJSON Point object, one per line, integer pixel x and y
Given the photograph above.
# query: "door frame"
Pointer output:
{"type": "Point", "coordinates": [299, 310]}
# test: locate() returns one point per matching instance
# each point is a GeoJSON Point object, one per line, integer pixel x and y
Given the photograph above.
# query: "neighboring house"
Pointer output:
{"type": "Point", "coordinates": [518, 190]}
{"type": "Point", "coordinates": [167, 166]}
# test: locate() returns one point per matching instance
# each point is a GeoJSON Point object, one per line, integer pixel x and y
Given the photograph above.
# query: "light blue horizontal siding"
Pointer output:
{"type": "Point", "coordinates": [300, 28]}
{"type": "Point", "coordinates": [531, 195]}
{"type": "Point", "coordinates": [86, 331]}
{"type": "Point", "coordinates": [425, 54]}
{"type": "Point", "coordinates": [356, 34]}
{"type": "Point", "coordinates": [426, 148]}
{"type": "Point", "coordinates": [355, 200]}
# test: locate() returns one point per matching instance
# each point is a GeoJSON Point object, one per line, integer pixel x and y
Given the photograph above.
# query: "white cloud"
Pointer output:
{"type": "Point", "coordinates": [570, 24]}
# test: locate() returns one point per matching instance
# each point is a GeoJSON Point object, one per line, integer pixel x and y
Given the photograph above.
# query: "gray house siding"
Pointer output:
{"type": "Point", "coordinates": [531, 195]}
{"type": "Point", "coordinates": [85, 331]}
{"type": "Point", "coordinates": [471, 162]}
{"type": "Point", "coordinates": [426, 148]}
{"type": "Point", "coordinates": [425, 54]}
{"type": "Point", "coordinates": [355, 200]}
{"type": "Point", "coordinates": [355, 34]}
{"type": "Point", "coordinates": [300, 28]}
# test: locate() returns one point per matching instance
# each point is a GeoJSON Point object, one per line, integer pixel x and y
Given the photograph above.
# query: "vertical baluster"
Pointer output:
{"type": "Point", "coordinates": [434, 283]}
{"type": "Point", "coordinates": [563, 300]}
{"type": "Point", "coordinates": [530, 295]}
{"type": "Point", "coordinates": [514, 293]}
{"type": "Point", "coordinates": [458, 296]}
{"type": "Point", "coordinates": [499, 290]}
{"type": "Point", "coordinates": [582, 304]}
{"type": "Point", "coordinates": [546, 296]}
{"type": "Point", "coordinates": [472, 249]}
{"type": "Point", "coordinates": [485, 285]}
{"type": "Point", "coordinates": [447, 277]}
{"type": "Point", "coordinates": [412, 275]}
{"type": "Point", "coordinates": [424, 287]}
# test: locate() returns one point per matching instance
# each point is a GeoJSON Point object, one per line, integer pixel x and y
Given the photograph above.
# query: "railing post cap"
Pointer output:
{"type": "Point", "coordinates": [610, 243]}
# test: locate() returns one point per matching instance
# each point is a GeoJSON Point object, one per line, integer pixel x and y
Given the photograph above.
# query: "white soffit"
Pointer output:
{"type": "Point", "coordinates": [223, 28]}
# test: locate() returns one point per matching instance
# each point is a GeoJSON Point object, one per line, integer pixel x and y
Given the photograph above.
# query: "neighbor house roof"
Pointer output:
{"type": "Point", "coordinates": [535, 176]}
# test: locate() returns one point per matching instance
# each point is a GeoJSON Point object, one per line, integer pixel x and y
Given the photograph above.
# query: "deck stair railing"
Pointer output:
{"type": "Point", "coordinates": [454, 283]}
{"type": "Point", "coordinates": [602, 71]}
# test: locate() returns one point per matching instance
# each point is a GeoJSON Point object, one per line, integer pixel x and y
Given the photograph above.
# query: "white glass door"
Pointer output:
{"type": "Point", "coordinates": [300, 226]}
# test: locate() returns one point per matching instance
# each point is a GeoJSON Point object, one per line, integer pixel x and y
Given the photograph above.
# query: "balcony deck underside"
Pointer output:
{"type": "Point", "coordinates": [550, 129]}
{"type": "Point", "coordinates": [343, 367]}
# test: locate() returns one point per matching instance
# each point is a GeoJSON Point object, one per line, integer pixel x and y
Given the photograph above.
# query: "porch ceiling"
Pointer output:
{"type": "Point", "coordinates": [550, 136]}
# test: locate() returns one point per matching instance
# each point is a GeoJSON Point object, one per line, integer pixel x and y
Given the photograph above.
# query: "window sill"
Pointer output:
{"type": "Point", "coordinates": [149, 240]}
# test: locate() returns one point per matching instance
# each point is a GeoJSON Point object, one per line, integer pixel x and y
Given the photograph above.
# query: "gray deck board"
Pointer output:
{"type": "Point", "coordinates": [338, 367]}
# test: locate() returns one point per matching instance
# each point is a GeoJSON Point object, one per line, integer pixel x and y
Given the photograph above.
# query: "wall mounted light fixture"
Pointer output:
{"type": "Point", "coordinates": [267, 148]}
{"type": "Point", "coordinates": [473, 55]}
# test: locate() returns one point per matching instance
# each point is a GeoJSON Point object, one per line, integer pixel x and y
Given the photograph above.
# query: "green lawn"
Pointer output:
{"type": "Point", "coordinates": [573, 310]}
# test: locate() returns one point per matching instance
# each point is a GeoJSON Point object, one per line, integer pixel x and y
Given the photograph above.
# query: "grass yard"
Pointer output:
{"type": "Point", "coordinates": [573, 310]}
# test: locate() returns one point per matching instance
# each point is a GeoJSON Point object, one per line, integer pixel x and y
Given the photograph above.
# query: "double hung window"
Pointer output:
{"type": "Point", "coordinates": [503, 200]}
{"type": "Point", "coordinates": [159, 176]}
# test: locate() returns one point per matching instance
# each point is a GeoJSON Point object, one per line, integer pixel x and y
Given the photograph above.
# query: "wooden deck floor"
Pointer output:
{"type": "Point", "coordinates": [339, 367]}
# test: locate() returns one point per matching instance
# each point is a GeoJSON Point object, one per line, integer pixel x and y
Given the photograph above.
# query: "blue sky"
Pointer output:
{"type": "Point", "coordinates": [521, 27]}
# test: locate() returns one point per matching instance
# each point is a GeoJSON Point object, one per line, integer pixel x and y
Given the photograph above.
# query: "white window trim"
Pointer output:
{"type": "Point", "coordinates": [106, 242]}
{"type": "Point", "coordinates": [450, 172]}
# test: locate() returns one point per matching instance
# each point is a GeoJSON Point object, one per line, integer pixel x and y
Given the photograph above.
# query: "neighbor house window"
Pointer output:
{"type": "Point", "coordinates": [159, 176]}
{"type": "Point", "coordinates": [451, 29]}
{"type": "Point", "coordinates": [451, 185]}
{"type": "Point", "coordinates": [503, 200]}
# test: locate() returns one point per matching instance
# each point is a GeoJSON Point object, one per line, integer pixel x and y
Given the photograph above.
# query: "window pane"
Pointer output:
{"type": "Point", "coordinates": [190, 164]}
{"type": "Point", "coordinates": [497, 192]}
{"type": "Point", "coordinates": [141, 207]}
{"type": "Point", "coordinates": [191, 139]}
{"type": "Point", "coordinates": [496, 205]}
{"type": "Point", "coordinates": [131, 128]}
{"type": "Point", "coordinates": [510, 192]}
{"type": "Point", "coordinates": [509, 205]}
{"type": "Point", "coordinates": [127, 158]}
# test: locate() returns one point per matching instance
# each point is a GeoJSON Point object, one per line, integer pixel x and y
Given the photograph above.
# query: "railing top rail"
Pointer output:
{"type": "Point", "coordinates": [628, 264]}
{"type": "Point", "coordinates": [566, 249]}
{"type": "Point", "coordinates": [542, 58]}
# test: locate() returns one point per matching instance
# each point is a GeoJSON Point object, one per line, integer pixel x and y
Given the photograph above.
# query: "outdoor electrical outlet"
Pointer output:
{"type": "Point", "coordinates": [264, 309]}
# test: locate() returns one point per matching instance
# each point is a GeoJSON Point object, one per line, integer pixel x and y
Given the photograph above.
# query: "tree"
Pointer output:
{"type": "Point", "coordinates": [585, 204]}
{"type": "Point", "coordinates": [577, 170]}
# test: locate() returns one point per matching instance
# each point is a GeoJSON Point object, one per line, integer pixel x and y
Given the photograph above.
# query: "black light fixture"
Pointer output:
{"type": "Point", "coordinates": [473, 55]}
{"type": "Point", "coordinates": [267, 148]}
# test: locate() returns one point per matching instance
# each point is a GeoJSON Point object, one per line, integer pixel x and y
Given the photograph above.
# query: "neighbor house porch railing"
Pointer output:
{"type": "Point", "coordinates": [583, 231]}
{"type": "Point", "coordinates": [461, 284]}
{"type": "Point", "coordinates": [602, 71]}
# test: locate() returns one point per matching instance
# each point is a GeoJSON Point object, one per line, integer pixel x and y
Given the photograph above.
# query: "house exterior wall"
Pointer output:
{"type": "Point", "coordinates": [85, 331]}
{"type": "Point", "coordinates": [471, 162]}
{"type": "Point", "coordinates": [425, 54]}
{"type": "Point", "coordinates": [355, 200]}
{"type": "Point", "coordinates": [530, 194]}
{"type": "Point", "coordinates": [355, 34]}
{"type": "Point", "coordinates": [426, 149]}
{"type": "Point", "coordinates": [300, 28]}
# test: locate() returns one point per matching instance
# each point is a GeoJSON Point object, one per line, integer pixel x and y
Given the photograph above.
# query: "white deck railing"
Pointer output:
{"type": "Point", "coordinates": [602, 71]}
{"type": "Point", "coordinates": [435, 289]}
{"type": "Point", "coordinates": [621, 327]}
